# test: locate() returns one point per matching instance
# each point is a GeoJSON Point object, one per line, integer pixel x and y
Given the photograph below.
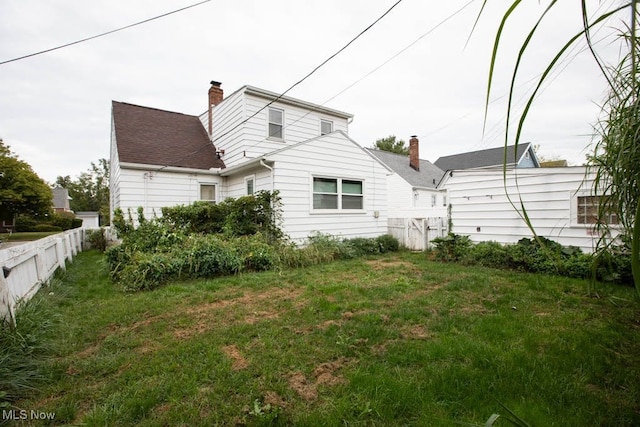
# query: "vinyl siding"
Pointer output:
{"type": "Point", "coordinates": [155, 190]}
{"type": "Point", "coordinates": [114, 173]}
{"type": "Point", "coordinates": [334, 156]}
{"type": "Point", "coordinates": [480, 207]}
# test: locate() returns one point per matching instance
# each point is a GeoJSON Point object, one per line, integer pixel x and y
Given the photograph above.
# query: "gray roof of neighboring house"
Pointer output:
{"type": "Point", "coordinates": [483, 158]}
{"type": "Point", "coordinates": [164, 138]}
{"type": "Point", "coordinates": [60, 197]}
{"type": "Point", "coordinates": [428, 176]}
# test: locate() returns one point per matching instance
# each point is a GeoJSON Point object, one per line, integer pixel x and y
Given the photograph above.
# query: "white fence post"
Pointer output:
{"type": "Point", "coordinates": [6, 301]}
{"type": "Point", "coordinates": [60, 253]}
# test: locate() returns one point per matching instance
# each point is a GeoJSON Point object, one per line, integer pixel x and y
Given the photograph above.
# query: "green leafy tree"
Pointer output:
{"type": "Point", "coordinates": [90, 190]}
{"type": "Point", "coordinates": [617, 154]}
{"type": "Point", "coordinates": [22, 191]}
{"type": "Point", "coordinates": [391, 144]}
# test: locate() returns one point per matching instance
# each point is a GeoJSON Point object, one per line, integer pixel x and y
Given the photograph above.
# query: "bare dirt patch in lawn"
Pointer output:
{"type": "Point", "coordinates": [238, 360]}
{"type": "Point", "coordinates": [324, 375]}
{"type": "Point", "coordinates": [382, 264]}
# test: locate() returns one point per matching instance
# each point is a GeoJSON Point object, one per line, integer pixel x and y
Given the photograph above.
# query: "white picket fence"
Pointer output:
{"type": "Point", "coordinates": [28, 266]}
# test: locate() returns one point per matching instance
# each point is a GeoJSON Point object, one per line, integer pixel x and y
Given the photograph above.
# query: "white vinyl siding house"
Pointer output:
{"type": "Point", "coordinates": [142, 185]}
{"type": "Point", "coordinates": [553, 198]}
{"type": "Point", "coordinates": [243, 121]}
{"type": "Point", "coordinates": [334, 158]}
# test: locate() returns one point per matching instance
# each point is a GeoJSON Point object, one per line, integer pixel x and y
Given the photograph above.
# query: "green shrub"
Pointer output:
{"type": "Point", "coordinates": [256, 254]}
{"type": "Point", "coordinates": [488, 254]}
{"type": "Point", "coordinates": [64, 220]}
{"type": "Point", "coordinates": [45, 227]}
{"type": "Point", "coordinates": [25, 223]}
{"type": "Point", "coordinates": [452, 247]}
{"type": "Point", "coordinates": [97, 239]}
{"type": "Point", "coordinates": [388, 243]}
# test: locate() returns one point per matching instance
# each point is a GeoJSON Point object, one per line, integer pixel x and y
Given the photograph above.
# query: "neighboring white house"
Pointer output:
{"type": "Point", "coordinates": [558, 201]}
{"type": "Point", "coordinates": [417, 209]}
{"type": "Point", "coordinates": [261, 141]}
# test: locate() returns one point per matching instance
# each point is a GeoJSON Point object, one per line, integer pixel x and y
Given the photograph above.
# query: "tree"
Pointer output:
{"type": "Point", "coordinates": [617, 155]}
{"type": "Point", "coordinates": [90, 190]}
{"type": "Point", "coordinates": [22, 191]}
{"type": "Point", "coordinates": [390, 144]}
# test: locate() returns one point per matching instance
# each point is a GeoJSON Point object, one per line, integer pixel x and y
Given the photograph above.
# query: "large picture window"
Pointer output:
{"type": "Point", "coordinates": [276, 123]}
{"type": "Point", "coordinates": [338, 193]}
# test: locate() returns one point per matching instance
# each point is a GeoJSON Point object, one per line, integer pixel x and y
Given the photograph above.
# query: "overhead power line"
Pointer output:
{"type": "Point", "coordinates": [103, 34]}
{"type": "Point", "coordinates": [291, 87]}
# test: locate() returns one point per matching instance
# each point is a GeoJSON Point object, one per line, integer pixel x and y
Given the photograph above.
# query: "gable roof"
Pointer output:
{"type": "Point", "coordinates": [163, 138]}
{"type": "Point", "coordinates": [428, 176]}
{"type": "Point", "coordinates": [483, 158]}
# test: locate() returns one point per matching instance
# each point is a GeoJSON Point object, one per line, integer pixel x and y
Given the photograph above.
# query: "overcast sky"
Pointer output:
{"type": "Point", "coordinates": [55, 108]}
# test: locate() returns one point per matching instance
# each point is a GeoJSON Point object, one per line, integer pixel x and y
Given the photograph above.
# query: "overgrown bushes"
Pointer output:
{"type": "Point", "coordinates": [536, 256]}
{"type": "Point", "coordinates": [58, 221]}
{"type": "Point", "coordinates": [205, 240]}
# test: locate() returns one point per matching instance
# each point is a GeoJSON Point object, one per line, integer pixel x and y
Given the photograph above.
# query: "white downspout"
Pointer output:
{"type": "Point", "coordinates": [271, 170]}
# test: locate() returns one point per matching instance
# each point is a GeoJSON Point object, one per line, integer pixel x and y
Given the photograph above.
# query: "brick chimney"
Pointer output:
{"type": "Point", "coordinates": [216, 95]}
{"type": "Point", "coordinates": [414, 152]}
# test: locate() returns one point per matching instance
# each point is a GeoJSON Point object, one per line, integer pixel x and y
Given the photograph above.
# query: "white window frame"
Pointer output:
{"type": "Point", "coordinates": [215, 191]}
{"type": "Point", "coordinates": [269, 123]}
{"type": "Point", "coordinates": [434, 200]}
{"type": "Point", "coordinates": [323, 121]}
{"type": "Point", "coordinates": [339, 180]}
{"type": "Point", "coordinates": [575, 211]}
{"type": "Point", "coordinates": [252, 179]}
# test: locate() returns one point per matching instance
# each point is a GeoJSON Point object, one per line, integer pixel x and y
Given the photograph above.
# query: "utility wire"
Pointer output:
{"type": "Point", "coordinates": [290, 88]}
{"type": "Point", "coordinates": [103, 34]}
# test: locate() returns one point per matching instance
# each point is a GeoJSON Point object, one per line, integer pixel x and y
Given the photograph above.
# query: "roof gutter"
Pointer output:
{"type": "Point", "coordinates": [157, 168]}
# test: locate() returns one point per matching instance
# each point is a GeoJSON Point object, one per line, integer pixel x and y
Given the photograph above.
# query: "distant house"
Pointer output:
{"type": "Point", "coordinates": [522, 157]}
{"type": "Point", "coordinates": [412, 187]}
{"type": "Point", "coordinates": [61, 199]}
{"type": "Point", "coordinates": [249, 141]}
{"type": "Point", "coordinates": [417, 208]}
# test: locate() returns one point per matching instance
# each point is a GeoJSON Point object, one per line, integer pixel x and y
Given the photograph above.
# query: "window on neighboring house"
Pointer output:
{"type": "Point", "coordinates": [326, 126]}
{"type": "Point", "coordinates": [276, 123]}
{"type": "Point", "coordinates": [588, 207]}
{"type": "Point", "coordinates": [208, 193]}
{"type": "Point", "coordinates": [249, 185]}
{"type": "Point", "coordinates": [433, 201]}
{"type": "Point", "coordinates": [444, 199]}
{"type": "Point", "coordinates": [338, 193]}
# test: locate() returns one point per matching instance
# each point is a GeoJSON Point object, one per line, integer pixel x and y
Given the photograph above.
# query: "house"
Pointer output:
{"type": "Point", "coordinates": [559, 202]}
{"type": "Point", "coordinates": [417, 208]}
{"type": "Point", "coordinates": [249, 141]}
{"type": "Point", "coordinates": [61, 199]}
{"type": "Point", "coordinates": [522, 157]}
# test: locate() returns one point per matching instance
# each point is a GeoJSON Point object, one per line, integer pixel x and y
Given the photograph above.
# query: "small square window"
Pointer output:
{"type": "Point", "coordinates": [276, 123]}
{"type": "Point", "coordinates": [208, 193]}
{"type": "Point", "coordinates": [326, 126]}
{"type": "Point", "coordinates": [589, 210]}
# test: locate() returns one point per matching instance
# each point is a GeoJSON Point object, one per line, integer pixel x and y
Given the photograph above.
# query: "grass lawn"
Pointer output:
{"type": "Point", "coordinates": [31, 235]}
{"type": "Point", "coordinates": [388, 340]}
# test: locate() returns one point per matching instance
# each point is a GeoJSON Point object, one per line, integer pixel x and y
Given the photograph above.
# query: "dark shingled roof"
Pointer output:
{"type": "Point", "coordinates": [163, 138]}
{"type": "Point", "coordinates": [481, 158]}
{"type": "Point", "coordinates": [428, 176]}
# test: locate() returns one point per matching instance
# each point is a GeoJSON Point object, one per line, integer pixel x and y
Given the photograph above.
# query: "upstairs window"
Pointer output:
{"type": "Point", "coordinates": [338, 193]}
{"type": "Point", "coordinates": [208, 193]}
{"type": "Point", "coordinates": [326, 126]}
{"type": "Point", "coordinates": [276, 123]}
